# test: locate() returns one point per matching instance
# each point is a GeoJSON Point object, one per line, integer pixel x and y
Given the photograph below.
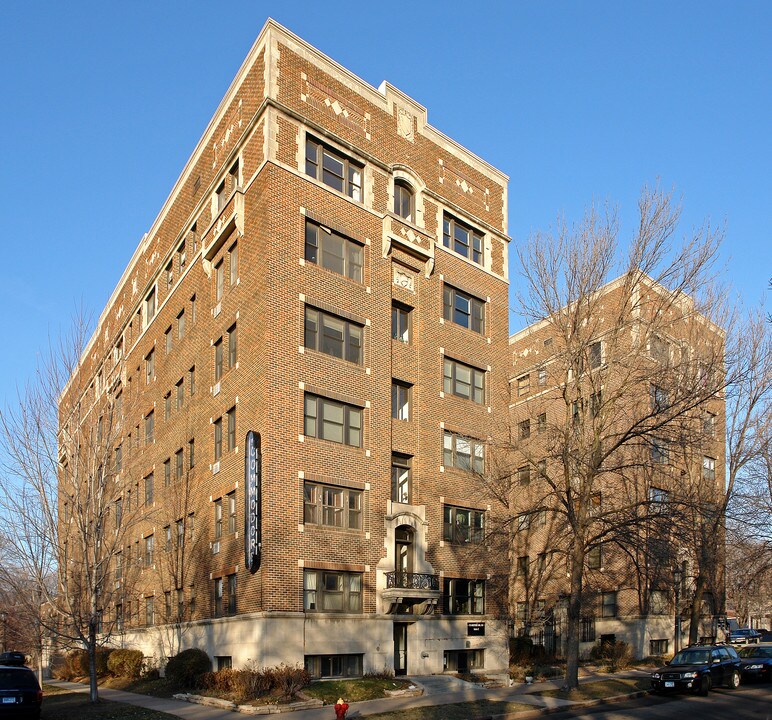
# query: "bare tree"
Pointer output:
{"type": "Point", "coordinates": [64, 494]}
{"type": "Point", "coordinates": [619, 362]}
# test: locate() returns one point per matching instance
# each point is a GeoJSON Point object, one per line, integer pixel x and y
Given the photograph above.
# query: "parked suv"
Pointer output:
{"type": "Point", "coordinates": [20, 693]}
{"type": "Point", "coordinates": [699, 668]}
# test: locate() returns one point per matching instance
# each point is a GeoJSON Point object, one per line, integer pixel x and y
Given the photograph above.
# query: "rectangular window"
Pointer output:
{"type": "Point", "coordinates": [219, 281]}
{"type": "Point", "coordinates": [658, 449]}
{"type": "Point", "coordinates": [464, 381]}
{"type": "Point", "coordinates": [118, 459]}
{"type": "Point", "coordinates": [181, 256]}
{"type": "Point", "coordinates": [149, 307]}
{"type": "Point", "coordinates": [524, 429]}
{"type": "Point", "coordinates": [542, 377]}
{"type": "Point", "coordinates": [169, 274]}
{"type": "Point", "coordinates": [709, 469]}
{"type": "Point", "coordinates": [329, 666]}
{"type": "Point", "coordinates": [332, 506]}
{"type": "Point", "coordinates": [217, 439]}
{"type": "Point", "coordinates": [333, 335]}
{"type": "Point", "coordinates": [149, 489]}
{"type": "Point", "coordinates": [401, 476]}
{"type": "Point", "coordinates": [462, 452]}
{"type": "Point", "coordinates": [541, 422]}
{"type": "Point", "coordinates": [658, 496]}
{"type": "Point", "coordinates": [462, 309]}
{"type": "Point", "coordinates": [233, 346]}
{"type": "Point", "coordinates": [168, 538]}
{"type": "Point", "coordinates": [149, 550]}
{"type": "Point", "coordinates": [149, 367]}
{"type": "Point", "coordinates": [523, 385]}
{"type": "Point", "coordinates": [192, 453]}
{"type": "Point", "coordinates": [523, 566]}
{"type": "Point", "coordinates": [233, 255]}
{"type": "Point", "coordinates": [400, 400]}
{"type": "Point", "coordinates": [218, 360]}
{"type": "Point", "coordinates": [462, 239]}
{"type": "Point", "coordinates": [230, 501]}
{"type": "Point", "coordinates": [658, 648]}
{"type": "Point", "coordinates": [334, 169]}
{"type": "Point", "coordinates": [524, 474]}
{"type": "Point", "coordinates": [594, 558]}
{"type": "Point", "coordinates": [218, 597]}
{"type": "Point", "coordinates": [330, 420]}
{"type": "Point", "coordinates": [167, 406]}
{"type": "Point", "coordinates": [180, 393]}
{"type": "Point", "coordinates": [463, 526]}
{"type": "Point", "coordinates": [231, 441]}
{"type": "Point", "coordinates": [192, 380]}
{"type": "Point", "coordinates": [149, 427]}
{"type": "Point", "coordinates": [595, 353]}
{"type": "Point", "coordinates": [333, 251]}
{"type": "Point", "coordinates": [330, 591]}
{"type": "Point", "coordinates": [231, 600]}
{"type": "Point", "coordinates": [218, 518]}
{"type": "Point", "coordinates": [464, 597]}
{"type": "Point", "coordinates": [193, 309]}
{"type": "Point", "coordinates": [168, 339]}
{"type": "Point", "coordinates": [178, 464]}
{"type": "Point", "coordinates": [608, 604]}
{"type": "Point", "coordinates": [149, 611]}
{"type": "Point", "coordinates": [709, 424]}
{"type": "Point", "coordinates": [400, 322]}
{"type": "Point", "coordinates": [659, 399]}
{"type": "Point", "coordinates": [587, 629]}
{"type": "Point", "coordinates": [181, 325]}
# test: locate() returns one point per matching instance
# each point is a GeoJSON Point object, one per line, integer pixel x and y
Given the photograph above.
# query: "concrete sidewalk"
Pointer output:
{"type": "Point", "coordinates": [438, 690]}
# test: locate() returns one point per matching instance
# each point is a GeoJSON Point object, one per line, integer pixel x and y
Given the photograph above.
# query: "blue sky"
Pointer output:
{"type": "Point", "coordinates": [103, 102]}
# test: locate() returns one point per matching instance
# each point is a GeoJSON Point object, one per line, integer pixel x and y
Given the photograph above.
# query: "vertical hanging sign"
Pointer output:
{"type": "Point", "coordinates": [252, 477]}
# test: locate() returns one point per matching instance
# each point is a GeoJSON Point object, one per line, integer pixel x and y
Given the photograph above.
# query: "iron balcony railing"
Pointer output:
{"type": "Point", "coordinates": [412, 581]}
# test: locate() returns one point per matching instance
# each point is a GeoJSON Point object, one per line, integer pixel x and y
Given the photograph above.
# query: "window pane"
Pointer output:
{"type": "Point", "coordinates": [333, 334]}
{"type": "Point", "coordinates": [332, 422]}
{"type": "Point", "coordinates": [332, 252]}
{"type": "Point", "coordinates": [355, 427]}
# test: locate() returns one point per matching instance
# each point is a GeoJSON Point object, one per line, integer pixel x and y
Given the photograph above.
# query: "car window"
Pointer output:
{"type": "Point", "coordinates": [732, 653]}
{"type": "Point", "coordinates": [724, 654]}
{"type": "Point", "coordinates": [715, 654]}
{"type": "Point", "coordinates": [691, 657]}
{"type": "Point", "coordinates": [18, 680]}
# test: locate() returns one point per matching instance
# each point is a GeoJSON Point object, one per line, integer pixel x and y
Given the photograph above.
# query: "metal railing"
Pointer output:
{"type": "Point", "coordinates": [412, 581]}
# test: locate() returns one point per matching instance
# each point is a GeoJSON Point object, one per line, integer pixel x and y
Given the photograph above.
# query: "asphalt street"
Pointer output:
{"type": "Point", "coordinates": [749, 702]}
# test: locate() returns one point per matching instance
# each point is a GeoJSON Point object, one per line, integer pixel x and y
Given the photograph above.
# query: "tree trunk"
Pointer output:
{"type": "Point", "coordinates": [574, 616]}
{"type": "Point", "coordinates": [694, 618]}
{"type": "Point", "coordinates": [93, 689]}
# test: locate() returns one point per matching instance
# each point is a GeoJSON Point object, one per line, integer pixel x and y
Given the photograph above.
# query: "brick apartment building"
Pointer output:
{"type": "Point", "coordinates": [637, 363]}
{"type": "Point", "coordinates": [329, 272]}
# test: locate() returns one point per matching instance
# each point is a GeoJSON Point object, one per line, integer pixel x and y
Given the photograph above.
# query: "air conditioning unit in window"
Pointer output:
{"type": "Point", "coordinates": [216, 389]}
{"type": "Point", "coordinates": [217, 309]}
{"type": "Point", "coordinates": [216, 468]}
{"type": "Point", "coordinates": [215, 547]}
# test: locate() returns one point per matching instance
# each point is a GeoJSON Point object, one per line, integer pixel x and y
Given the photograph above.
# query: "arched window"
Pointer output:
{"type": "Point", "coordinates": [404, 200]}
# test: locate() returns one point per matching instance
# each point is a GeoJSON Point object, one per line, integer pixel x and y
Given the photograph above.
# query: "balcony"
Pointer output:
{"type": "Point", "coordinates": [405, 590]}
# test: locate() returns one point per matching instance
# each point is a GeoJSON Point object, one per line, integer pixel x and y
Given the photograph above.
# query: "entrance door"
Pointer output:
{"type": "Point", "coordinates": [400, 648]}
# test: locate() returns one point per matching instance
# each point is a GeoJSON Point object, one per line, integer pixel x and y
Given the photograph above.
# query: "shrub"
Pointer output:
{"type": "Point", "coordinates": [76, 663]}
{"type": "Point", "coordinates": [58, 666]}
{"type": "Point", "coordinates": [617, 654]}
{"type": "Point", "coordinates": [289, 679]}
{"type": "Point", "coordinates": [385, 674]}
{"type": "Point", "coordinates": [125, 663]}
{"type": "Point", "coordinates": [184, 668]}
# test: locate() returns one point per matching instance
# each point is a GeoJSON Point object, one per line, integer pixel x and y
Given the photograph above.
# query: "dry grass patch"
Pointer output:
{"type": "Point", "coordinates": [62, 704]}
{"type": "Point", "coordinates": [600, 689]}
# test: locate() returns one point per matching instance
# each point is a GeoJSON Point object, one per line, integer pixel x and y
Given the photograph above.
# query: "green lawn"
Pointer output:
{"type": "Point", "coordinates": [59, 704]}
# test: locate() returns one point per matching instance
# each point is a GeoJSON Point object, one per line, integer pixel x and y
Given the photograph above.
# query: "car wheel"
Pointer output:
{"type": "Point", "coordinates": [704, 686]}
{"type": "Point", "coordinates": [734, 680]}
